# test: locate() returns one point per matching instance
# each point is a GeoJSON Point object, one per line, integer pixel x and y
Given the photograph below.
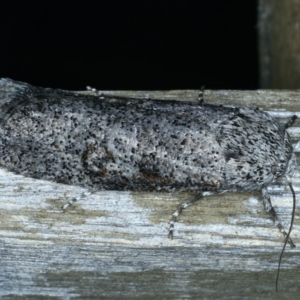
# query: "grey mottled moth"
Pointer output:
{"type": "Point", "coordinates": [112, 143]}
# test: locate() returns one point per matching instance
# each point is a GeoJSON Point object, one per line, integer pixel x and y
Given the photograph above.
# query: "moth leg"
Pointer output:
{"type": "Point", "coordinates": [270, 209]}
{"type": "Point", "coordinates": [94, 91]}
{"type": "Point", "coordinates": [65, 206]}
{"type": "Point", "coordinates": [179, 211]}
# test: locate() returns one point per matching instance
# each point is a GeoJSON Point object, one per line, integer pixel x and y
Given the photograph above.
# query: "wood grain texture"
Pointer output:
{"type": "Point", "coordinates": [114, 244]}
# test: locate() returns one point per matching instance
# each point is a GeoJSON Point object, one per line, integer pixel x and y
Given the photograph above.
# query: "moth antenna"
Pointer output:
{"type": "Point", "coordinates": [201, 95]}
{"type": "Point", "coordinates": [290, 122]}
{"type": "Point", "coordinates": [288, 234]}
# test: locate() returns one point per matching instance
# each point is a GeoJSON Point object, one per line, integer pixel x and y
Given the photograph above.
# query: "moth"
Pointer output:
{"type": "Point", "coordinates": [112, 143]}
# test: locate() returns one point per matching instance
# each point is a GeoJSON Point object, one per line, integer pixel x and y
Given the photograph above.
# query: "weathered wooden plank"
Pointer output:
{"type": "Point", "coordinates": [114, 244]}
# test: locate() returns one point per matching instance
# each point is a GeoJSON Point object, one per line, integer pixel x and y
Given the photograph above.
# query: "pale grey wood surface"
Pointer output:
{"type": "Point", "coordinates": [115, 245]}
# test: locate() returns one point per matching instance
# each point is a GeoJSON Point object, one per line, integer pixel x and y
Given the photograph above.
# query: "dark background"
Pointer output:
{"type": "Point", "coordinates": [138, 45]}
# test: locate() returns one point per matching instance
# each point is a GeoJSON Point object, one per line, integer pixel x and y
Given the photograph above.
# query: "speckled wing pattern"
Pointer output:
{"type": "Point", "coordinates": [143, 145]}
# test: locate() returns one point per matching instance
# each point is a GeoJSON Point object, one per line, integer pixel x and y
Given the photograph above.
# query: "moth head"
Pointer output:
{"type": "Point", "coordinates": [285, 163]}
{"type": "Point", "coordinates": [291, 167]}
